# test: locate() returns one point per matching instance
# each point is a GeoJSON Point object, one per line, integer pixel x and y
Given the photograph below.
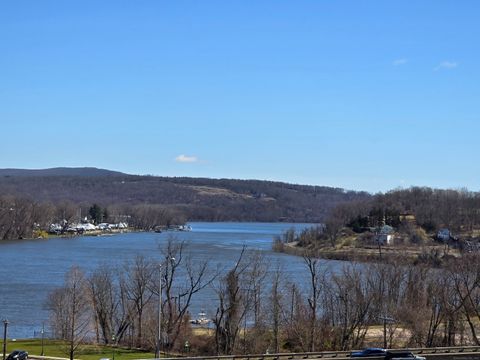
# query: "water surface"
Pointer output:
{"type": "Point", "coordinates": [30, 269]}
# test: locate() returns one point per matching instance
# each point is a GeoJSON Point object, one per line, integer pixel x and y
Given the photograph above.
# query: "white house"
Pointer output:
{"type": "Point", "coordinates": [385, 235]}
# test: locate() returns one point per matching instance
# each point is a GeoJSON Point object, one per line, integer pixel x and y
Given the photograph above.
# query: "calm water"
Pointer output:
{"type": "Point", "coordinates": [30, 269]}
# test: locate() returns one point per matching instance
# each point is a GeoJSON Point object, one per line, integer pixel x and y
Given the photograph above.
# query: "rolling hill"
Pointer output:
{"type": "Point", "coordinates": [197, 198]}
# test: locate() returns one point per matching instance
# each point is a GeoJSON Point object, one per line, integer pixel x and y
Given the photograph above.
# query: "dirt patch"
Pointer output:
{"type": "Point", "coordinates": [213, 191]}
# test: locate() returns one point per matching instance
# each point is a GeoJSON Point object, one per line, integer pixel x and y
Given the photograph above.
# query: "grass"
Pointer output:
{"type": "Point", "coordinates": [56, 348]}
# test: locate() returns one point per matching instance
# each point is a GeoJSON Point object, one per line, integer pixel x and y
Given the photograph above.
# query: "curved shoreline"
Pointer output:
{"type": "Point", "coordinates": [431, 255]}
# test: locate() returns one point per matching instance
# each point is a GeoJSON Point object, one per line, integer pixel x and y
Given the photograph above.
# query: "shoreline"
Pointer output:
{"type": "Point", "coordinates": [432, 255]}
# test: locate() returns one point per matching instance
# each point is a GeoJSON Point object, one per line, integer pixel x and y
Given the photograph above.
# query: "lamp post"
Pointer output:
{"type": "Point", "coordinates": [159, 339]}
{"type": "Point", "coordinates": [5, 325]}
{"type": "Point", "coordinates": [113, 346]}
{"type": "Point", "coordinates": [43, 336]}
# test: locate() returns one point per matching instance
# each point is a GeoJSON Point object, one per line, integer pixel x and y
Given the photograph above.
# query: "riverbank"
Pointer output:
{"type": "Point", "coordinates": [431, 254]}
{"type": "Point", "coordinates": [68, 235]}
{"type": "Point", "coordinates": [45, 236]}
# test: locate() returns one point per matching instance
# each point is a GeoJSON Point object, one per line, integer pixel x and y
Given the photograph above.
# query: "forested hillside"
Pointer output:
{"type": "Point", "coordinates": [191, 198]}
{"type": "Point", "coordinates": [430, 224]}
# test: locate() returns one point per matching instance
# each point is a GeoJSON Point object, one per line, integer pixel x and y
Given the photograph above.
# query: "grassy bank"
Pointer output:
{"type": "Point", "coordinates": [431, 254]}
{"type": "Point", "coordinates": [57, 348]}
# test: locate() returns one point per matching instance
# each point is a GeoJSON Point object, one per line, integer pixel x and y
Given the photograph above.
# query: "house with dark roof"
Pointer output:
{"type": "Point", "coordinates": [385, 235]}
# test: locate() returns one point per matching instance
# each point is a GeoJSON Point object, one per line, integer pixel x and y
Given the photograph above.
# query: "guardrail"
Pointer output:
{"type": "Point", "coordinates": [334, 354]}
{"type": "Point", "coordinates": [435, 353]}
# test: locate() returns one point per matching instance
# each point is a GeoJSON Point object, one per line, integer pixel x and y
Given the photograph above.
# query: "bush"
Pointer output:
{"type": "Point", "coordinates": [418, 236]}
{"type": "Point", "coordinates": [348, 241]}
{"type": "Point", "coordinates": [366, 238]}
{"type": "Point", "coordinates": [40, 234]}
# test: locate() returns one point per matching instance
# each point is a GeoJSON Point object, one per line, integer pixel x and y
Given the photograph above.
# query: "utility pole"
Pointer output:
{"type": "Point", "coordinates": [384, 332]}
{"type": "Point", "coordinates": [5, 325]}
{"type": "Point", "coordinates": [43, 336]}
{"type": "Point", "coordinates": [159, 339]}
{"type": "Point", "coordinates": [292, 304]}
{"type": "Point", "coordinates": [385, 319]}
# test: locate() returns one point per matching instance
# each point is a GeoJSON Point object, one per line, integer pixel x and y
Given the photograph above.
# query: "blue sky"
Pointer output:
{"type": "Point", "coordinates": [365, 95]}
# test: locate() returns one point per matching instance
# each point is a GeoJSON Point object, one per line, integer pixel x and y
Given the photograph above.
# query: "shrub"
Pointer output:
{"type": "Point", "coordinates": [42, 234]}
{"type": "Point", "coordinates": [418, 236]}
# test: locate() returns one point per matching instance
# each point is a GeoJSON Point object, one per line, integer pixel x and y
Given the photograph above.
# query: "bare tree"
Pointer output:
{"type": "Point", "coordinates": [232, 307]}
{"type": "Point", "coordinates": [386, 283]}
{"type": "Point", "coordinates": [66, 213]}
{"type": "Point", "coordinates": [316, 281]}
{"type": "Point", "coordinates": [58, 307]}
{"type": "Point", "coordinates": [465, 279]}
{"type": "Point", "coordinates": [352, 299]}
{"type": "Point", "coordinates": [182, 279]}
{"type": "Point", "coordinates": [70, 310]}
{"type": "Point", "coordinates": [104, 301]}
{"type": "Point", "coordinates": [138, 291]}
{"type": "Point", "coordinates": [277, 309]}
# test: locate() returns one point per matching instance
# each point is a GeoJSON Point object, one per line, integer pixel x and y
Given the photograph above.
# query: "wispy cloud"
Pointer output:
{"type": "Point", "coordinates": [399, 62]}
{"type": "Point", "coordinates": [186, 159]}
{"type": "Point", "coordinates": [446, 65]}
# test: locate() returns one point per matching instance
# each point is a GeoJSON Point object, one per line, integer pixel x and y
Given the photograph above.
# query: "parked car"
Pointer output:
{"type": "Point", "coordinates": [18, 355]}
{"type": "Point", "coordinates": [369, 352]}
{"type": "Point", "coordinates": [402, 355]}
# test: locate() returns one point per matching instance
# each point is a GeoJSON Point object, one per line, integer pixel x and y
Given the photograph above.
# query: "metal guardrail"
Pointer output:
{"type": "Point", "coordinates": [337, 355]}
{"type": "Point", "coordinates": [331, 354]}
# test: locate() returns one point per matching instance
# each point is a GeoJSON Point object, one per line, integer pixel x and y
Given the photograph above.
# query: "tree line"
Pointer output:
{"type": "Point", "coordinates": [259, 307]}
{"type": "Point", "coordinates": [194, 198]}
{"type": "Point", "coordinates": [25, 218]}
{"type": "Point", "coordinates": [416, 213]}
{"type": "Point", "coordinates": [458, 210]}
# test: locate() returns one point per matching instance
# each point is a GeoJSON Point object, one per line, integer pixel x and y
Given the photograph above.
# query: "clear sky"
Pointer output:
{"type": "Point", "coordinates": [365, 95]}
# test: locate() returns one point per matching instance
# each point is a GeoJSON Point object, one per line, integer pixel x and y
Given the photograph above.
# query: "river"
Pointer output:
{"type": "Point", "coordinates": [30, 269]}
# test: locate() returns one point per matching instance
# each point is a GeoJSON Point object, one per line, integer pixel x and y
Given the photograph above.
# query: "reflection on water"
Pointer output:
{"type": "Point", "coordinates": [30, 269]}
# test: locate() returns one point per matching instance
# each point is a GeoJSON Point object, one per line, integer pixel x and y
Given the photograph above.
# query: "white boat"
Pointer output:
{"type": "Point", "coordinates": [201, 320]}
{"type": "Point", "coordinates": [185, 228]}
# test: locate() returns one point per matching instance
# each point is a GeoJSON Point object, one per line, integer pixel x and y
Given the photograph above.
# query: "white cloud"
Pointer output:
{"type": "Point", "coordinates": [399, 62]}
{"type": "Point", "coordinates": [186, 159]}
{"type": "Point", "coordinates": [446, 65]}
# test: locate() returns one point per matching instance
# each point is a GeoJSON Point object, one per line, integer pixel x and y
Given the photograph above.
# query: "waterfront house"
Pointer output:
{"type": "Point", "coordinates": [385, 235]}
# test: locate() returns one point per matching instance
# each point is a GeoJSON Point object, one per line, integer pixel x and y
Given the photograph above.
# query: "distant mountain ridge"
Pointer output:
{"type": "Point", "coordinates": [194, 198]}
{"type": "Point", "coordinates": [60, 171]}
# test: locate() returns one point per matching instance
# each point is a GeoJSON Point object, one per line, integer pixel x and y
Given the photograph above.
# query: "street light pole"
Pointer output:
{"type": "Point", "coordinates": [43, 336]}
{"type": "Point", "coordinates": [5, 325]}
{"type": "Point", "coordinates": [159, 340]}
{"type": "Point", "coordinates": [113, 346]}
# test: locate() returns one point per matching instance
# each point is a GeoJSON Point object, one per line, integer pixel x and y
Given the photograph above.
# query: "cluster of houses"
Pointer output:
{"type": "Point", "coordinates": [446, 236]}
{"type": "Point", "coordinates": [85, 227]}
{"type": "Point", "coordinates": [470, 245]}
{"type": "Point", "coordinates": [385, 235]}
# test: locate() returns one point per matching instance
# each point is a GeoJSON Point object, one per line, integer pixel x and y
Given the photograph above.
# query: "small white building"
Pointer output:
{"type": "Point", "coordinates": [385, 235]}
{"type": "Point", "coordinates": [85, 227]}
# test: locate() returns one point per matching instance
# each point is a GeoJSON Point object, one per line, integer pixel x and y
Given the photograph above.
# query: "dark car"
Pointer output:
{"type": "Point", "coordinates": [18, 355]}
{"type": "Point", "coordinates": [402, 355]}
{"type": "Point", "coordinates": [369, 352]}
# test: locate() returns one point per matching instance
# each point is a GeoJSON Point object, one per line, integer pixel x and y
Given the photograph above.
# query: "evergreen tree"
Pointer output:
{"type": "Point", "coordinates": [96, 213]}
